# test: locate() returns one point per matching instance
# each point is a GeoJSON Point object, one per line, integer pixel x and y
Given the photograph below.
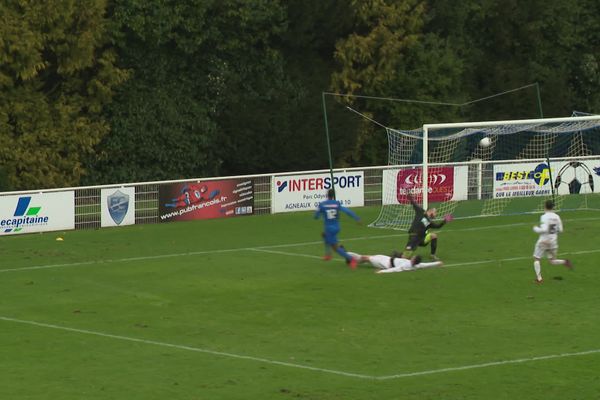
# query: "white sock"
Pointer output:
{"type": "Point", "coordinates": [538, 269]}
{"type": "Point", "coordinates": [557, 262]}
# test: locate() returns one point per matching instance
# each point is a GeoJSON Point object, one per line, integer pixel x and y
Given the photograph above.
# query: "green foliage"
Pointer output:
{"type": "Point", "coordinates": [123, 90]}
{"type": "Point", "coordinates": [508, 44]}
{"type": "Point", "coordinates": [393, 57]}
{"type": "Point", "coordinates": [456, 52]}
{"type": "Point", "coordinates": [371, 59]}
{"type": "Point", "coordinates": [205, 79]}
{"type": "Point", "coordinates": [56, 73]}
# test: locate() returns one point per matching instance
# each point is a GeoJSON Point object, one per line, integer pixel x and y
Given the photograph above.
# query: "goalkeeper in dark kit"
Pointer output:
{"type": "Point", "coordinates": [418, 234]}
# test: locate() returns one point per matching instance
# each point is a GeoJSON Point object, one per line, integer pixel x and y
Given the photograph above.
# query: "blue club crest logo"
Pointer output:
{"type": "Point", "coordinates": [281, 186]}
{"type": "Point", "coordinates": [118, 205]}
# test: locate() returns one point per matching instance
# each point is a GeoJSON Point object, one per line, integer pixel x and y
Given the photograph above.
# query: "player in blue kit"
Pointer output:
{"type": "Point", "coordinates": [330, 209]}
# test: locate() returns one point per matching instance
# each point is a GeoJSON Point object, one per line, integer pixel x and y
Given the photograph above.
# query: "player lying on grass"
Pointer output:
{"type": "Point", "coordinates": [418, 234]}
{"type": "Point", "coordinates": [330, 210]}
{"type": "Point", "coordinates": [547, 244]}
{"type": "Point", "coordinates": [395, 263]}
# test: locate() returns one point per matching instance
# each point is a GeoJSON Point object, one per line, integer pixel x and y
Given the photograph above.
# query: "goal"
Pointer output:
{"type": "Point", "coordinates": [526, 162]}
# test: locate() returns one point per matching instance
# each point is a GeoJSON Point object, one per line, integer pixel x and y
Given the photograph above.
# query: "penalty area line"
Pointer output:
{"type": "Point", "coordinates": [300, 366]}
{"type": "Point", "coordinates": [463, 264]}
{"type": "Point", "coordinates": [183, 347]}
{"type": "Point", "coordinates": [187, 254]}
{"type": "Point", "coordinates": [489, 364]}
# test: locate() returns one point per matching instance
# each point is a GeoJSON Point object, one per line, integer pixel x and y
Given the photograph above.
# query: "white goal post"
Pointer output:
{"type": "Point", "coordinates": [448, 165]}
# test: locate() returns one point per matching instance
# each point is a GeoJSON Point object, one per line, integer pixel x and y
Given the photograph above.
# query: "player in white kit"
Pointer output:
{"type": "Point", "coordinates": [395, 263]}
{"type": "Point", "coordinates": [547, 244]}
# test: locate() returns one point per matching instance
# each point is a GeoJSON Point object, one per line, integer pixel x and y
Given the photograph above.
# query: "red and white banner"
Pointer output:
{"type": "Point", "coordinates": [445, 184]}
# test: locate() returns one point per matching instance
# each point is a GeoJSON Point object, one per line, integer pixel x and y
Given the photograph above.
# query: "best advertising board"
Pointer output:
{"type": "Point", "coordinates": [523, 179]}
{"type": "Point", "coordinates": [42, 212]}
{"type": "Point", "coordinates": [536, 179]}
{"type": "Point", "coordinates": [118, 206]}
{"type": "Point", "coordinates": [305, 192]}
{"type": "Point", "coordinates": [445, 184]}
{"type": "Point", "coordinates": [206, 199]}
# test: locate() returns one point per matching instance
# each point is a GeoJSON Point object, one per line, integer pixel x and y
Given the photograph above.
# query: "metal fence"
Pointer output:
{"type": "Point", "coordinates": [88, 199]}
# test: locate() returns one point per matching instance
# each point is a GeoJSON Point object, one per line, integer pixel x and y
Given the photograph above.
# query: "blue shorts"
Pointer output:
{"type": "Point", "coordinates": [330, 236]}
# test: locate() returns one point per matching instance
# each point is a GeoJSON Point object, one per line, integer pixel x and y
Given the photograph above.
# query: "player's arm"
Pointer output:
{"type": "Point", "coordinates": [429, 264]}
{"type": "Point", "coordinates": [437, 225]}
{"type": "Point", "coordinates": [543, 228]}
{"type": "Point", "coordinates": [318, 212]}
{"type": "Point", "coordinates": [350, 213]}
{"type": "Point", "coordinates": [413, 203]}
{"type": "Point", "coordinates": [559, 226]}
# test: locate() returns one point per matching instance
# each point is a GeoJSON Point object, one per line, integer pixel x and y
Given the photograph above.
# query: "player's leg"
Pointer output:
{"type": "Point", "coordinates": [331, 239]}
{"type": "Point", "coordinates": [411, 245]}
{"type": "Point", "coordinates": [379, 261]}
{"type": "Point", "coordinates": [434, 240]}
{"type": "Point", "coordinates": [430, 238]}
{"type": "Point", "coordinates": [557, 261]}
{"type": "Point", "coordinates": [537, 267]}
{"type": "Point", "coordinates": [327, 255]}
{"type": "Point", "coordinates": [360, 258]}
{"type": "Point", "coordinates": [351, 261]}
{"type": "Point", "coordinates": [538, 253]}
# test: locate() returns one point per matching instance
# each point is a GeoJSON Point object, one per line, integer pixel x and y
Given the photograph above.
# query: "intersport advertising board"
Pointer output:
{"type": "Point", "coordinates": [305, 192]}
{"type": "Point", "coordinates": [37, 213]}
{"type": "Point", "coordinates": [445, 184]}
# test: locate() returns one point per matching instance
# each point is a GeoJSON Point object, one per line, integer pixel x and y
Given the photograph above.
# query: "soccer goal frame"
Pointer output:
{"type": "Point", "coordinates": [484, 124]}
{"type": "Point", "coordinates": [438, 151]}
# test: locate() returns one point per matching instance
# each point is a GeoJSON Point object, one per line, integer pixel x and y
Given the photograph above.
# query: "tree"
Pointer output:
{"type": "Point", "coordinates": [57, 71]}
{"type": "Point", "coordinates": [389, 55]}
{"type": "Point", "coordinates": [204, 73]}
{"type": "Point", "coordinates": [509, 44]}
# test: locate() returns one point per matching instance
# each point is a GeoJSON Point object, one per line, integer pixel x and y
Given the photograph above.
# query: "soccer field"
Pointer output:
{"type": "Point", "coordinates": [244, 308]}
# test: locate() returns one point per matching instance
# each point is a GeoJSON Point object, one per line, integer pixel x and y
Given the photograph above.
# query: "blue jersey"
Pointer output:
{"type": "Point", "coordinates": [330, 209]}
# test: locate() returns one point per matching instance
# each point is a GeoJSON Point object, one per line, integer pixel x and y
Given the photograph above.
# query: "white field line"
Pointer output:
{"type": "Point", "coordinates": [188, 348]}
{"type": "Point", "coordinates": [187, 254]}
{"type": "Point", "coordinates": [285, 253]}
{"type": "Point", "coordinates": [194, 253]}
{"type": "Point", "coordinates": [300, 366]}
{"type": "Point", "coordinates": [489, 364]}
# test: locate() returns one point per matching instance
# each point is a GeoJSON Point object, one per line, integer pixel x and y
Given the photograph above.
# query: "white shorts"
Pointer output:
{"type": "Point", "coordinates": [379, 261]}
{"type": "Point", "coordinates": [548, 248]}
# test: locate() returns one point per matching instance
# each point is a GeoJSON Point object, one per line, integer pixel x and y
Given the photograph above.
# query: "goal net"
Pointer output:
{"type": "Point", "coordinates": [518, 166]}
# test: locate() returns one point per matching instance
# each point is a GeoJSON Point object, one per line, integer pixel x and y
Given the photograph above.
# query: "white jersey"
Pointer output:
{"type": "Point", "coordinates": [383, 262]}
{"type": "Point", "coordinates": [550, 227]}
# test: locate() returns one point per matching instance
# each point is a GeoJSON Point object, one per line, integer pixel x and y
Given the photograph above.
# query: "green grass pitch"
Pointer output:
{"type": "Point", "coordinates": [246, 309]}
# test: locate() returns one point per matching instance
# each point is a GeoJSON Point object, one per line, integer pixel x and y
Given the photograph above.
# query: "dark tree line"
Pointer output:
{"type": "Point", "coordinates": [135, 90]}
